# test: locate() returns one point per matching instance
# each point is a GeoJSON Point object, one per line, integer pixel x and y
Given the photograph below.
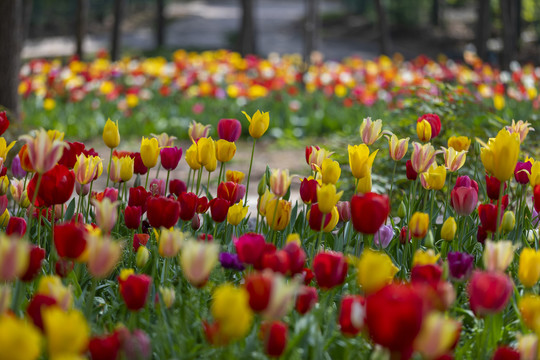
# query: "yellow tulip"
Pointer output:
{"type": "Point", "coordinates": [111, 135]}
{"type": "Point", "coordinates": [168, 295]}
{"type": "Point", "coordinates": [459, 143]}
{"type": "Point", "coordinates": [225, 150]}
{"type": "Point", "coordinates": [418, 225]}
{"type": "Point", "coordinates": [230, 309]}
{"type": "Point", "coordinates": [51, 285]}
{"type": "Point", "coordinates": [235, 176]}
{"type": "Point", "coordinates": [508, 221]}
{"type": "Point", "coordinates": [86, 168]}
{"type": "Point", "coordinates": [127, 165]}
{"type": "Point", "coordinates": [142, 257]}
{"type": "Point", "coordinates": [534, 176]}
{"type": "Point", "coordinates": [423, 130]}
{"type": "Point", "coordinates": [434, 177]}
{"type": "Point", "coordinates": [191, 157]}
{"type": "Point", "coordinates": [19, 340]}
{"type": "Point", "coordinates": [364, 184]}
{"type": "Point", "coordinates": [330, 171]}
{"type": "Point", "coordinates": [258, 124]}
{"type": "Point", "coordinates": [328, 197]}
{"type": "Point", "coordinates": [360, 160]}
{"type": "Point", "coordinates": [375, 270]}
{"type": "Point", "coordinates": [4, 185]}
{"type": "Point", "coordinates": [448, 230]}
{"type": "Point", "coordinates": [427, 257]}
{"type": "Point", "coordinates": [67, 332]}
{"type": "Point", "coordinates": [264, 199]}
{"type": "Point", "coordinates": [149, 152]}
{"type": "Point", "coordinates": [237, 213]}
{"type": "Point", "coordinates": [55, 135]}
{"type": "Point", "coordinates": [278, 219]}
{"type": "Point", "coordinates": [529, 307]}
{"type": "Point", "coordinates": [500, 155]}
{"type": "Point", "coordinates": [529, 267]}
{"type": "Point", "coordinates": [206, 151]}
{"type": "Point", "coordinates": [4, 148]}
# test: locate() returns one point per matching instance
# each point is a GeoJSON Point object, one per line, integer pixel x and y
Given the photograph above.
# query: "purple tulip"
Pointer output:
{"type": "Point", "coordinates": [230, 261]}
{"type": "Point", "coordinates": [16, 168]}
{"type": "Point", "coordinates": [460, 265]}
{"type": "Point", "coordinates": [383, 236]}
{"type": "Point", "coordinates": [522, 171]}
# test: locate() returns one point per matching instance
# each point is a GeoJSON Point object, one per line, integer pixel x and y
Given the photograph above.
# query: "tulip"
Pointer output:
{"type": "Point", "coordinates": [430, 274]}
{"type": "Point", "coordinates": [188, 203]}
{"type": "Point", "coordinates": [138, 166]}
{"type": "Point", "coordinates": [394, 316]}
{"type": "Point", "coordinates": [51, 286]}
{"type": "Point", "coordinates": [132, 217]}
{"type": "Point", "coordinates": [70, 240]}
{"type": "Point", "coordinates": [375, 270]}
{"type": "Point", "coordinates": [111, 135]}
{"type": "Point", "coordinates": [437, 336]}
{"type": "Point", "coordinates": [170, 157]}
{"type": "Point", "coordinates": [219, 208]}
{"type": "Point", "coordinates": [230, 261]}
{"type": "Point", "coordinates": [500, 155]}
{"type": "Point", "coordinates": [308, 190]}
{"type": "Point", "coordinates": [454, 159]}
{"type": "Point", "coordinates": [170, 242]}
{"type": "Point", "coordinates": [275, 338]}
{"type": "Point", "coordinates": [315, 156]}
{"type": "Point", "coordinates": [234, 176]}
{"type": "Point", "coordinates": [135, 345]}
{"type": "Point", "coordinates": [103, 255]}
{"type": "Point", "coordinates": [258, 124]}
{"type": "Point", "coordinates": [197, 260]}
{"type": "Point", "coordinates": [489, 292]}
{"type": "Point", "coordinates": [282, 296]}
{"type": "Point", "coordinates": [202, 205]}
{"type": "Point", "coordinates": [411, 174]}
{"type": "Point", "coordinates": [164, 140]}
{"type": "Point", "coordinates": [277, 261]}
{"type": "Point", "coordinates": [384, 236]}
{"type": "Point", "coordinates": [423, 130]}
{"type": "Point", "coordinates": [521, 128]}
{"type": "Point", "coordinates": [315, 218]}
{"type": "Point", "coordinates": [191, 157]}
{"type": "Point", "coordinates": [434, 122]}
{"type": "Point", "coordinates": [508, 221]}
{"type": "Point", "coordinates": [115, 170]}
{"type": "Point", "coordinates": [24, 156]}
{"type": "Point", "coordinates": [66, 332]}
{"type": "Point", "coordinates": [162, 211]}
{"type": "Point", "coordinates": [36, 306]}
{"type": "Point", "coordinates": [4, 147]}
{"type": "Point", "coordinates": [250, 248]}
{"type": "Point", "coordinates": [464, 196]}
{"type": "Point", "coordinates": [140, 240]}
{"type": "Point", "coordinates": [459, 143]}
{"type": "Point", "coordinates": [344, 210]}
{"type": "Point", "coordinates": [397, 147]}
{"type": "Point", "coordinates": [16, 226]}
{"type": "Point", "coordinates": [306, 299]}
{"type": "Point", "coordinates": [106, 214]}
{"type": "Point", "coordinates": [529, 267]}
{"type": "Point", "coordinates": [360, 160]}
{"type": "Point", "coordinates": [522, 172]}
{"type": "Point", "coordinates": [177, 187]}
{"type": "Point", "coordinates": [448, 230]}
{"type": "Point", "coordinates": [127, 166]}
{"type": "Point", "coordinates": [104, 347]}
{"type": "Point", "coordinates": [63, 267]}
{"type": "Point", "coordinates": [134, 289]}
{"type": "Point", "coordinates": [4, 218]}
{"type": "Point", "coordinates": [72, 151]}
{"type": "Point", "coordinates": [225, 150]}
{"type": "Point", "coordinates": [460, 265]}
{"type": "Point", "coordinates": [142, 257]}
{"type": "Point", "coordinates": [149, 152]}
{"type": "Point", "coordinates": [419, 224]}
{"type": "Point", "coordinates": [137, 197]}
{"type": "Point", "coordinates": [86, 168]}
{"type": "Point", "coordinates": [488, 217]}
{"type": "Point", "coordinates": [4, 122]}
{"type": "Point", "coordinates": [423, 157]}
{"type": "Point", "coordinates": [528, 347]}
{"type": "Point", "coordinates": [280, 180]}
{"type": "Point", "coordinates": [16, 168]}
{"type": "Point", "coordinates": [330, 171]}
{"type": "Point", "coordinates": [56, 186]}
{"type": "Point", "coordinates": [330, 269]}
{"type": "Point", "coordinates": [237, 213]}
{"type": "Point", "coordinates": [197, 130]}
{"type": "Point", "coordinates": [259, 287]}
{"type": "Point", "coordinates": [370, 131]}
{"type": "Point", "coordinates": [369, 212]}
{"type": "Point", "coordinates": [278, 214]}
{"type": "Point", "coordinates": [427, 257]}
{"type": "Point", "coordinates": [36, 257]}
{"type": "Point", "coordinates": [231, 191]}
{"type": "Point", "coordinates": [536, 201]}
{"type": "Point", "coordinates": [168, 296]}
{"type": "Point", "coordinates": [109, 193]}
{"type": "Point", "coordinates": [434, 177]}
{"type": "Point", "coordinates": [20, 340]}
{"type": "Point", "coordinates": [493, 186]}
{"type": "Point", "coordinates": [229, 129]}
{"type": "Point", "coordinates": [157, 187]}
{"type": "Point", "coordinates": [328, 197]}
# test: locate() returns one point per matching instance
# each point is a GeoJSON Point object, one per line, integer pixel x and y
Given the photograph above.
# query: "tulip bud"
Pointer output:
{"type": "Point", "coordinates": [423, 130]}
{"type": "Point", "coordinates": [196, 222]}
{"type": "Point", "coordinates": [344, 210]}
{"type": "Point", "coordinates": [4, 218]}
{"type": "Point", "coordinates": [402, 210]}
{"type": "Point", "coordinates": [111, 136]}
{"type": "Point", "coordinates": [25, 201]}
{"type": "Point", "coordinates": [404, 235]}
{"type": "Point", "coordinates": [167, 295]}
{"type": "Point", "coordinates": [508, 221]}
{"type": "Point", "coordinates": [448, 230]}
{"type": "Point", "coordinates": [428, 241]}
{"type": "Point", "coordinates": [143, 255]}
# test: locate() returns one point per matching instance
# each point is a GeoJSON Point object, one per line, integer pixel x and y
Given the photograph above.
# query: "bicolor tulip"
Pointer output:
{"type": "Point", "coordinates": [360, 160]}
{"type": "Point", "coordinates": [225, 150]}
{"type": "Point", "coordinates": [134, 289]}
{"type": "Point", "coordinates": [439, 333]}
{"type": "Point", "coordinates": [454, 159]}
{"type": "Point", "coordinates": [24, 157]}
{"type": "Point", "coordinates": [280, 180]}
{"type": "Point", "coordinates": [52, 286]}
{"type": "Point", "coordinates": [14, 258]}
{"type": "Point", "coordinates": [330, 269]}
{"type": "Point", "coordinates": [434, 122]}
{"type": "Point", "coordinates": [370, 131]}
{"type": "Point", "coordinates": [170, 242]}
{"type": "Point", "coordinates": [229, 129]}
{"type": "Point", "coordinates": [423, 156]}
{"type": "Point", "coordinates": [149, 152]}
{"type": "Point", "coordinates": [374, 270]}
{"type": "Point", "coordinates": [498, 255]}
{"type": "Point", "coordinates": [197, 260]}
{"type": "Point", "coordinates": [103, 255]}
{"type": "Point", "coordinates": [111, 135]}
{"type": "Point", "coordinates": [168, 295]}
{"type": "Point", "coordinates": [115, 170]}
{"type": "Point", "coordinates": [106, 214]}
{"type": "Point", "coordinates": [315, 219]}
{"type": "Point", "coordinates": [369, 211]}
{"type": "Point", "coordinates": [459, 143]}
{"type": "Point", "coordinates": [344, 210]}
{"type": "Point", "coordinates": [419, 224]}
{"type": "Point", "coordinates": [489, 292]}
{"type": "Point", "coordinates": [231, 191]}
{"type": "Point", "coordinates": [397, 147]}
{"type": "Point", "coordinates": [315, 156]}
{"type": "Point", "coordinates": [278, 214]}
{"type": "Point", "coordinates": [86, 168]}
{"type": "Point", "coordinates": [165, 140]}
{"type": "Point", "coordinates": [500, 155]}
{"type": "Point", "coordinates": [521, 128]}
{"type": "Point", "coordinates": [197, 130]}
{"type": "Point", "coordinates": [258, 123]}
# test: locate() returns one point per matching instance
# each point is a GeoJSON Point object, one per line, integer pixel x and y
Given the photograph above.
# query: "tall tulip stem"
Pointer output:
{"type": "Point", "coordinates": [499, 208]}
{"type": "Point", "coordinates": [90, 298]}
{"type": "Point", "coordinates": [167, 182]}
{"type": "Point", "coordinates": [249, 172]}
{"type": "Point", "coordinates": [109, 169]}
{"type": "Point", "coordinates": [146, 182]}
{"type": "Point", "coordinates": [89, 201]}
{"type": "Point", "coordinates": [34, 197]}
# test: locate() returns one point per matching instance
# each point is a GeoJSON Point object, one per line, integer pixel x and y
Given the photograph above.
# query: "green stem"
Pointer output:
{"type": "Point", "coordinates": [392, 185]}
{"type": "Point", "coordinates": [499, 206]}
{"type": "Point", "coordinates": [199, 180]}
{"type": "Point", "coordinates": [109, 169]}
{"type": "Point", "coordinates": [34, 197]}
{"type": "Point", "coordinates": [189, 178]}
{"type": "Point", "coordinates": [88, 217]}
{"type": "Point", "coordinates": [208, 182]}
{"type": "Point", "coordinates": [249, 172]}
{"type": "Point", "coordinates": [90, 299]}
{"type": "Point", "coordinates": [164, 270]}
{"type": "Point", "coordinates": [146, 182]}
{"type": "Point", "coordinates": [220, 173]}
{"type": "Point", "coordinates": [167, 183]}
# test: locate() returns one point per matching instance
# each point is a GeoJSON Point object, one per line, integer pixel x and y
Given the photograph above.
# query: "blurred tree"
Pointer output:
{"type": "Point", "coordinates": [82, 24]}
{"type": "Point", "coordinates": [311, 28]}
{"type": "Point", "coordinates": [511, 14]}
{"type": "Point", "coordinates": [160, 23]}
{"type": "Point", "coordinates": [384, 28]}
{"type": "Point", "coordinates": [11, 35]}
{"type": "Point", "coordinates": [248, 44]}
{"type": "Point", "coordinates": [483, 30]}
{"type": "Point", "coordinates": [117, 29]}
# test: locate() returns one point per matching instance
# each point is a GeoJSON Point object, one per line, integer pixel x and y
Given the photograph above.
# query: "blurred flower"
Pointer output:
{"type": "Point", "coordinates": [330, 269]}
{"type": "Point", "coordinates": [425, 257]}
{"type": "Point", "coordinates": [529, 267]}
{"type": "Point", "coordinates": [230, 261]}
{"type": "Point", "coordinates": [164, 140]}
{"type": "Point", "coordinates": [43, 152]}
{"type": "Point", "coordinates": [498, 255]}
{"type": "Point", "coordinates": [197, 131]}
{"type": "Point", "coordinates": [489, 292]}
{"type": "Point", "coordinates": [170, 242]}
{"type": "Point", "coordinates": [14, 257]}
{"type": "Point", "coordinates": [20, 340]}
{"type": "Point", "coordinates": [439, 333]}
{"type": "Point", "coordinates": [460, 265]}
{"type": "Point", "coordinates": [106, 214]}
{"type": "Point", "coordinates": [459, 143]}
{"type": "Point", "coordinates": [274, 336]}
{"type": "Point", "coordinates": [70, 239]}
{"type": "Point", "coordinates": [67, 332]}
{"type": "Point", "coordinates": [521, 128]}
{"type": "Point", "coordinates": [134, 288]}
{"type": "Point", "coordinates": [197, 260]}
{"type": "Point", "coordinates": [16, 168]}
{"type": "Point", "coordinates": [352, 314]}
{"type": "Point", "coordinates": [375, 270]}
{"type": "Point", "coordinates": [168, 295]}
{"type": "Point", "coordinates": [383, 236]}
{"type": "Point", "coordinates": [306, 299]}
{"type": "Point", "coordinates": [103, 255]}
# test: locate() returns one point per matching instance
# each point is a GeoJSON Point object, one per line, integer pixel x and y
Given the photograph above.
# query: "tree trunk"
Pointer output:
{"type": "Point", "coordinates": [117, 29]}
{"type": "Point", "coordinates": [435, 13]}
{"type": "Point", "coordinates": [384, 30]}
{"type": "Point", "coordinates": [10, 54]}
{"type": "Point", "coordinates": [247, 28]}
{"type": "Point", "coordinates": [82, 23]}
{"type": "Point", "coordinates": [27, 14]}
{"type": "Point", "coordinates": [483, 30]}
{"type": "Point", "coordinates": [510, 18]}
{"type": "Point", "coordinates": [160, 23]}
{"type": "Point", "coordinates": [311, 29]}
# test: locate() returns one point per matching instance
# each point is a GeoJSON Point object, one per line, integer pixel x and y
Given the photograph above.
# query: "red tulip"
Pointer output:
{"type": "Point", "coordinates": [202, 205]}
{"type": "Point", "coordinates": [250, 247]}
{"type": "Point", "coordinates": [132, 217]}
{"type": "Point", "coordinates": [488, 216]}
{"type": "Point", "coordinates": [70, 239]}
{"type": "Point", "coordinates": [536, 198]}
{"type": "Point", "coordinates": [434, 121]}
{"type": "Point", "coordinates": [219, 209]}
{"type": "Point", "coordinates": [229, 129]}
{"type": "Point", "coordinates": [506, 353]}
{"type": "Point", "coordinates": [306, 299]}
{"type": "Point", "coordinates": [307, 274]}
{"type": "Point", "coordinates": [134, 290]}
{"type": "Point", "coordinates": [63, 267]}
{"type": "Point", "coordinates": [140, 240]}
{"type": "Point", "coordinates": [104, 347]}
{"type": "Point", "coordinates": [267, 249]}
{"type": "Point", "coordinates": [275, 338]}
{"type": "Point", "coordinates": [330, 269]}
{"type": "Point", "coordinates": [489, 292]}
{"type": "Point", "coordinates": [4, 122]}
{"type": "Point", "coordinates": [369, 212]}
{"type": "Point", "coordinates": [316, 218]}
{"type": "Point", "coordinates": [297, 257]}
{"type": "Point", "coordinates": [35, 307]}
{"type": "Point", "coordinates": [277, 261]}
{"type": "Point", "coordinates": [428, 274]}
{"type": "Point", "coordinates": [394, 317]}
{"type": "Point", "coordinates": [170, 157]}
{"type": "Point", "coordinates": [55, 188]}
{"type": "Point", "coordinates": [37, 255]}
{"type": "Point", "coordinates": [308, 190]}
{"type": "Point", "coordinates": [352, 314]}
{"type": "Point", "coordinates": [69, 156]}
{"type": "Point", "coordinates": [493, 187]}
{"type": "Point", "coordinates": [464, 196]}
{"type": "Point", "coordinates": [138, 166]}
{"type": "Point", "coordinates": [231, 191]}
{"type": "Point", "coordinates": [16, 226]}
{"type": "Point", "coordinates": [137, 197]}
{"type": "Point", "coordinates": [404, 235]}
{"type": "Point", "coordinates": [188, 204]}
{"type": "Point", "coordinates": [411, 173]}
{"type": "Point", "coordinates": [162, 212]}
{"type": "Point", "coordinates": [259, 288]}
{"type": "Point", "coordinates": [177, 187]}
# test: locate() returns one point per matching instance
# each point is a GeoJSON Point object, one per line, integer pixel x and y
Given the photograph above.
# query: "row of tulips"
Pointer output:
{"type": "Point", "coordinates": [160, 270]}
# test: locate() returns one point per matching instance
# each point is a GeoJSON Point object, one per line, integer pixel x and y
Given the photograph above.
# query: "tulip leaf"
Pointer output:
{"type": "Point", "coordinates": [70, 210]}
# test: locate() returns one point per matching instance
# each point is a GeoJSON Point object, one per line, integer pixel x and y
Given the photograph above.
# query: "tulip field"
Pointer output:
{"type": "Point", "coordinates": [415, 235]}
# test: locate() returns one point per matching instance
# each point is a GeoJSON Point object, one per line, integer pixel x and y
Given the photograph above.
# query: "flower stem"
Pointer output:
{"type": "Point", "coordinates": [88, 217]}
{"type": "Point", "coordinates": [167, 182]}
{"type": "Point", "coordinates": [499, 208]}
{"type": "Point", "coordinates": [90, 299]}
{"type": "Point", "coordinates": [146, 182]}
{"type": "Point", "coordinates": [249, 172]}
{"type": "Point", "coordinates": [109, 169]}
